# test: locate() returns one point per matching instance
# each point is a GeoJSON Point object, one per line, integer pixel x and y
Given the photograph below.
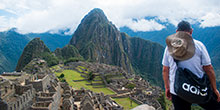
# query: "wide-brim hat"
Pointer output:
{"type": "Point", "coordinates": [180, 45]}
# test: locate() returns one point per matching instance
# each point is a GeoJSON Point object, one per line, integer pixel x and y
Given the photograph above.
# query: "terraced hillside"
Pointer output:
{"type": "Point", "coordinates": [129, 90]}
{"type": "Point", "coordinates": [76, 79]}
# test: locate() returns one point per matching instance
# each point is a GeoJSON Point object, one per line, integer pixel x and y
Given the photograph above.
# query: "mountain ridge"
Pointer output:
{"type": "Point", "coordinates": [99, 40]}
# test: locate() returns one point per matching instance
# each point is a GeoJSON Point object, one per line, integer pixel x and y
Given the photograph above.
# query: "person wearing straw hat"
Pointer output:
{"type": "Point", "coordinates": [191, 54]}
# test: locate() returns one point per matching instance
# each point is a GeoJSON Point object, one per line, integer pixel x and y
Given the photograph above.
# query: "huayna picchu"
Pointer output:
{"type": "Point", "coordinates": [100, 69]}
{"type": "Point", "coordinates": [97, 39]}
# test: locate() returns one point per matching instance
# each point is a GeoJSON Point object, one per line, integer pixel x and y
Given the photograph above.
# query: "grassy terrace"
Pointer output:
{"type": "Point", "coordinates": [71, 75]}
{"type": "Point", "coordinates": [127, 103]}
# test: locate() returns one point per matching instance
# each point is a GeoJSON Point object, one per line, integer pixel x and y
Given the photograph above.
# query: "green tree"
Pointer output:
{"type": "Point", "coordinates": [61, 76]}
{"type": "Point", "coordinates": [91, 76]}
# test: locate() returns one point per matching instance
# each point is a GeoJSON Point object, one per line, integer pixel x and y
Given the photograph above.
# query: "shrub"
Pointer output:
{"type": "Point", "coordinates": [50, 58]}
{"type": "Point", "coordinates": [130, 86]}
{"type": "Point", "coordinates": [73, 59]}
{"type": "Point", "coordinates": [91, 76]}
{"type": "Point", "coordinates": [61, 76]}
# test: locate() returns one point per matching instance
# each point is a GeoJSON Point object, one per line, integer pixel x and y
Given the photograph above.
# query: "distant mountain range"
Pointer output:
{"type": "Point", "coordinates": [11, 47]}
{"type": "Point", "coordinates": [12, 44]}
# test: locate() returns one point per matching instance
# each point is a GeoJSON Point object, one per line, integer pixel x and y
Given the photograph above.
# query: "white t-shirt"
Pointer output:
{"type": "Point", "coordinates": [201, 58]}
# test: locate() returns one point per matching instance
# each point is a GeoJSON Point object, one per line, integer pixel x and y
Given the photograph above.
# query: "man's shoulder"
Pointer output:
{"type": "Point", "coordinates": [198, 43]}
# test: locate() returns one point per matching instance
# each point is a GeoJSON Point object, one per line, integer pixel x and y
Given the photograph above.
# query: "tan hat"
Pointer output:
{"type": "Point", "coordinates": [180, 45]}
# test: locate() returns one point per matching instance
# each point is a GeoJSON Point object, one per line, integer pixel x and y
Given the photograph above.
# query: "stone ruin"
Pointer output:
{"type": "Point", "coordinates": [116, 79]}
{"type": "Point", "coordinates": [94, 101]}
{"type": "Point", "coordinates": [41, 90]}
{"type": "Point", "coordinates": [38, 66]}
{"type": "Point", "coordinates": [11, 73]}
{"type": "Point", "coordinates": [141, 96]}
{"type": "Point", "coordinates": [32, 92]}
{"type": "Point", "coordinates": [15, 96]}
{"type": "Point", "coordinates": [67, 97]}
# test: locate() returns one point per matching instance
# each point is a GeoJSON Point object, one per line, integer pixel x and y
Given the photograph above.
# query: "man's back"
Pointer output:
{"type": "Point", "coordinates": [194, 64]}
{"type": "Point", "coordinates": [193, 57]}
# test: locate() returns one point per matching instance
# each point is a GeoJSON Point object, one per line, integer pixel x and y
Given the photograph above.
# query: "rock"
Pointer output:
{"type": "Point", "coordinates": [144, 107]}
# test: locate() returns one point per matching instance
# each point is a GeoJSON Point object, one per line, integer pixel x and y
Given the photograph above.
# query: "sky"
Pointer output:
{"type": "Point", "coordinates": [39, 16]}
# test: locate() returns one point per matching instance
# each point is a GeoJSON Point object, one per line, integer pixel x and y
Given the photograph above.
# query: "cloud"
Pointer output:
{"type": "Point", "coordinates": [144, 25]}
{"type": "Point", "coordinates": [210, 20]}
{"type": "Point", "coordinates": [6, 23]}
{"type": "Point", "coordinates": [41, 16]}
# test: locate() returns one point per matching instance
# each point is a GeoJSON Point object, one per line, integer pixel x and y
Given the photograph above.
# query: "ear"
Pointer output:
{"type": "Point", "coordinates": [191, 31]}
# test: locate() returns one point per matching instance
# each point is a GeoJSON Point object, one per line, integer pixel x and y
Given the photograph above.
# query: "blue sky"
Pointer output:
{"type": "Point", "coordinates": [44, 15]}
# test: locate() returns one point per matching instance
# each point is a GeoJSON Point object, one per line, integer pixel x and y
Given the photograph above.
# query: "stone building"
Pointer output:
{"type": "Point", "coordinates": [11, 73]}
{"type": "Point", "coordinates": [17, 97]}
{"type": "Point", "coordinates": [98, 101]}
{"type": "Point", "coordinates": [67, 98]}
{"type": "Point", "coordinates": [39, 92]}
{"type": "Point", "coordinates": [42, 106]}
{"type": "Point", "coordinates": [50, 96]}
{"type": "Point", "coordinates": [53, 97]}
{"type": "Point", "coordinates": [40, 82]}
{"type": "Point", "coordinates": [141, 96]}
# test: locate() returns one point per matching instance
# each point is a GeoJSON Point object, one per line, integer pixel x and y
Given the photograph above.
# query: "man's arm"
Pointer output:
{"type": "Point", "coordinates": [211, 74]}
{"type": "Point", "coordinates": [166, 81]}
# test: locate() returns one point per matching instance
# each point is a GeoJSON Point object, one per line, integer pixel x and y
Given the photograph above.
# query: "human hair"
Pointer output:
{"type": "Point", "coordinates": [184, 26]}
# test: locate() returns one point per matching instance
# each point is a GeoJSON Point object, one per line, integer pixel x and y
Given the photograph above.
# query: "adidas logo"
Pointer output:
{"type": "Point", "coordinates": [194, 90]}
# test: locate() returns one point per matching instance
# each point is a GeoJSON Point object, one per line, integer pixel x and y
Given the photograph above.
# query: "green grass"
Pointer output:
{"type": "Point", "coordinates": [168, 104]}
{"type": "Point", "coordinates": [70, 75]}
{"type": "Point", "coordinates": [97, 78]}
{"type": "Point", "coordinates": [82, 67]}
{"type": "Point", "coordinates": [79, 69]}
{"type": "Point", "coordinates": [56, 67]}
{"type": "Point", "coordinates": [126, 103]}
{"type": "Point", "coordinates": [131, 79]}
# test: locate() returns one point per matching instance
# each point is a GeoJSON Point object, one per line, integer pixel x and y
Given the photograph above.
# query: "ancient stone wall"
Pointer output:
{"type": "Point", "coordinates": [42, 106]}
{"type": "Point", "coordinates": [6, 88]}
{"type": "Point", "coordinates": [40, 84]}
{"type": "Point", "coordinates": [23, 101]}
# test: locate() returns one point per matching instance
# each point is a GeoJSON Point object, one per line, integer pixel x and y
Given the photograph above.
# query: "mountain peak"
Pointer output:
{"type": "Point", "coordinates": [34, 49]}
{"type": "Point", "coordinates": [97, 10]}
{"type": "Point", "coordinates": [93, 26]}
{"type": "Point", "coordinates": [95, 15]}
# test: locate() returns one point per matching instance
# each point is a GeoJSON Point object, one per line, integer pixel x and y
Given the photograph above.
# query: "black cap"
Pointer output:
{"type": "Point", "coordinates": [184, 26]}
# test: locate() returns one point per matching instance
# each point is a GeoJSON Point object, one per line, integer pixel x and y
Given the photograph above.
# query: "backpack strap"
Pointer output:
{"type": "Point", "coordinates": [176, 61]}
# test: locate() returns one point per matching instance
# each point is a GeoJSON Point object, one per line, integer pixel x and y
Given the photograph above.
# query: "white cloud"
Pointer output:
{"type": "Point", "coordinates": [5, 23]}
{"type": "Point", "coordinates": [144, 25]}
{"type": "Point", "coordinates": [211, 19]}
{"type": "Point", "coordinates": [44, 15]}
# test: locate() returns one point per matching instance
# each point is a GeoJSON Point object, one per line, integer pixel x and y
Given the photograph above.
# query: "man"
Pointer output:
{"type": "Point", "coordinates": [197, 61]}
